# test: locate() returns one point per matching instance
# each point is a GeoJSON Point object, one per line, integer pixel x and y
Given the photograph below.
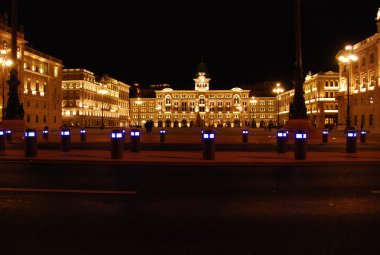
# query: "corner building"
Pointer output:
{"type": "Point", "coordinates": [363, 77]}
{"type": "Point", "coordinates": [89, 100]}
{"type": "Point", "coordinates": [40, 77]}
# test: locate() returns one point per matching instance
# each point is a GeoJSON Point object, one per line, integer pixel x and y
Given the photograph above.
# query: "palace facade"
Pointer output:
{"type": "Point", "coordinates": [363, 78]}
{"type": "Point", "coordinates": [40, 77]}
{"type": "Point", "coordinates": [89, 101]}
{"type": "Point", "coordinates": [203, 107]}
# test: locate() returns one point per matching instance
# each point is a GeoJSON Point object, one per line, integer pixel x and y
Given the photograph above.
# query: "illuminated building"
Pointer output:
{"type": "Point", "coordinates": [363, 77]}
{"type": "Point", "coordinates": [84, 106]}
{"type": "Point", "coordinates": [40, 77]}
{"type": "Point", "coordinates": [202, 107]}
{"type": "Point", "coordinates": [320, 91]}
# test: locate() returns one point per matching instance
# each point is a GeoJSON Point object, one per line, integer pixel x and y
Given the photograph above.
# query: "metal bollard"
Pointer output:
{"type": "Point", "coordinates": [245, 135]}
{"type": "Point", "coordinates": [117, 144]}
{"type": "Point", "coordinates": [8, 134]}
{"type": "Point", "coordinates": [363, 136]}
{"type": "Point", "coordinates": [351, 140]}
{"type": "Point", "coordinates": [65, 139]}
{"type": "Point", "coordinates": [30, 143]}
{"type": "Point", "coordinates": [45, 134]}
{"type": "Point", "coordinates": [135, 140]}
{"type": "Point", "coordinates": [124, 134]}
{"type": "Point", "coordinates": [282, 141]}
{"type": "Point", "coordinates": [325, 136]}
{"type": "Point", "coordinates": [208, 145]}
{"type": "Point", "coordinates": [2, 139]}
{"type": "Point", "coordinates": [300, 142]}
{"type": "Point", "coordinates": [83, 135]}
{"type": "Point", "coordinates": [162, 135]}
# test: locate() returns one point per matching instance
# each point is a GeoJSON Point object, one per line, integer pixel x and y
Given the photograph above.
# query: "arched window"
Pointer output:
{"type": "Point", "coordinates": [236, 99]}
{"type": "Point", "coordinates": [167, 100]}
{"type": "Point", "coordinates": [201, 100]}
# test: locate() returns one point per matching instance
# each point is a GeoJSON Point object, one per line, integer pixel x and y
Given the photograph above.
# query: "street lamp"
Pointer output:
{"type": "Point", "coordinates": [278, 90]}
{"type": "Point", "coordinates": [138, 102]}
{"type": "Point", "coordinates": [240, 109]}
{"type": "Point", "coordinates": [253, 102]}
{"type": "Point", "coordinates": [5, 62]}
{"type": "Point", "coordinates": [346, 58]}
{"type": "Point", "coordinates": [102, 92]}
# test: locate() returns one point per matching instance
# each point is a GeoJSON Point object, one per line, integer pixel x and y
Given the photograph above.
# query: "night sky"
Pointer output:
{"type": "Point", "coordinates": [153, 41]}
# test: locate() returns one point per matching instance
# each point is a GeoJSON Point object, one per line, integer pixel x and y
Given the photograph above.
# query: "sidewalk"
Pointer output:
{"type": "Point", "coordinates": [192, 157]}
{"type": "Point", "coordinates": [260, 149]}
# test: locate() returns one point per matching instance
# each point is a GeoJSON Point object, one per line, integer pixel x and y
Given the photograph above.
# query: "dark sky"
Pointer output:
{"type": "Point", "coordinates": [162, 41]}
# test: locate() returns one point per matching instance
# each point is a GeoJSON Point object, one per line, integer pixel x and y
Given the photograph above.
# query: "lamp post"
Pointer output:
{"type": "Point", "coordinates": [346, 58]}
{"type": "Point", "coordinates": [138, 103]}
{"type": "Point", "coordinates": [5, 62]}
{"type": "Point", "coordinates": [253, 102]}
{"type": "Point", "coordinates": [278, 90]}
{"type": "Point", "coordinates": [102, 92]}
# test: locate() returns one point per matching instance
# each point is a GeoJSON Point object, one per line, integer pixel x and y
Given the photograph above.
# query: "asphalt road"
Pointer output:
{"type": "Point", "coordinates": [47, 208]}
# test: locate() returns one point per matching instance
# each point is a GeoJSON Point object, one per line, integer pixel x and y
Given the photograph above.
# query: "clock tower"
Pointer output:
{"type": "Point", "coordinates": [201, 79]}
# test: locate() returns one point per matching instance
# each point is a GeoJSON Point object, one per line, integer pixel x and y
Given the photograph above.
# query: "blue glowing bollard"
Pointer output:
{"type": "Point", "coordinates": [8, 134]}
{"type": "Point", "coordinates": [245, 135]}
{"type": "Point", "coordinates": [162, 135]}
{"type": "Point", "coordinates": [30, 143]}
{"type": "Point", "coordinates": [65, 139]}
{"type": "Point", "coordinates": [83, 135]}
{"type": "Point", "coordinates": [117, 144]}
{"type": "Point", "coordinates": [325, 136]}
{"type": "Point", "coordinates": [45, 134]}
{"type": "Point", "coordinates": [124, 134]}
{"type": "Point", "coordinates": [135, 140]}
{"type": "Point", "coordinates": [208, 145]}
{"type": "Point", "coordinates": [363, 136]}
{"type": "Point", "coordinates": [351, 136]}
{"type": "Point", "coordinates": [2, 139]}
{"type": "Point", "coordinates": [282, 140]}
{"type": "Point", "coordinates": [300, 142]}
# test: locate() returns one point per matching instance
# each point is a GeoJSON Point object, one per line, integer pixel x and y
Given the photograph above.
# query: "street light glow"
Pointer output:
{"type": "Point", "coordinates": [4, 62]}
{"type": "Point", "coordinates": [346, 58]}
{"type": "Point", "coordinates": [102, 92]}
{"type": "Point", "coordinates": [278, 90]}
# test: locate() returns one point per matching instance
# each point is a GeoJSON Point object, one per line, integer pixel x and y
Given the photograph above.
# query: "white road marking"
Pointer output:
{"type": "Point", "coordinates": [117, 192]}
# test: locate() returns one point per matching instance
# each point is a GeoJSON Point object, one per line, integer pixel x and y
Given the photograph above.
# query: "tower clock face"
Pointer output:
{"type": "Point", "coordinates": [202, 78]}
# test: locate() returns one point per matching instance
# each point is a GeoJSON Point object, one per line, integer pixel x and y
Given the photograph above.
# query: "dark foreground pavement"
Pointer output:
{"type": "Point", "coordinates": [135, 208]}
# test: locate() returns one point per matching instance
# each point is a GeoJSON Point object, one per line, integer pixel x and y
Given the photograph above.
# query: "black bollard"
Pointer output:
{"type": "Point", "coordinates": [208, 145]}
{"type": "Point", "coordinates": [2, 139]}
{"type": "Point", "coordinates": [325, 136]}
{"type": "Point", "coordinates": [8, 133]}
{"type": "Point", "coordinates": [30, 143]}
{"type": "Point", "coordinates": [245, 135]}
{"type": "Point", "coordinates": [117, 144]}
{"type": "Point", "coordinates": [83, 135]}
{"type": "Point", "coordinates": [65, 139]}
{"type": "Point", "coordinates": [363, 136]}
{"type": "Point", "coordinates": [162, 135]}
{"type": "Point", "coordinates": [135, 140]}
{"type": "Point", "coordinates": [124, 134]}
{"type": "Point", "coordinates": [351, 140]}
{"type": "Point", "coordinates": [282, 141]}
{"type": "Point", "coordinates": [300, 142]}
{"type": "Point", "coordinates": [45, 134]}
